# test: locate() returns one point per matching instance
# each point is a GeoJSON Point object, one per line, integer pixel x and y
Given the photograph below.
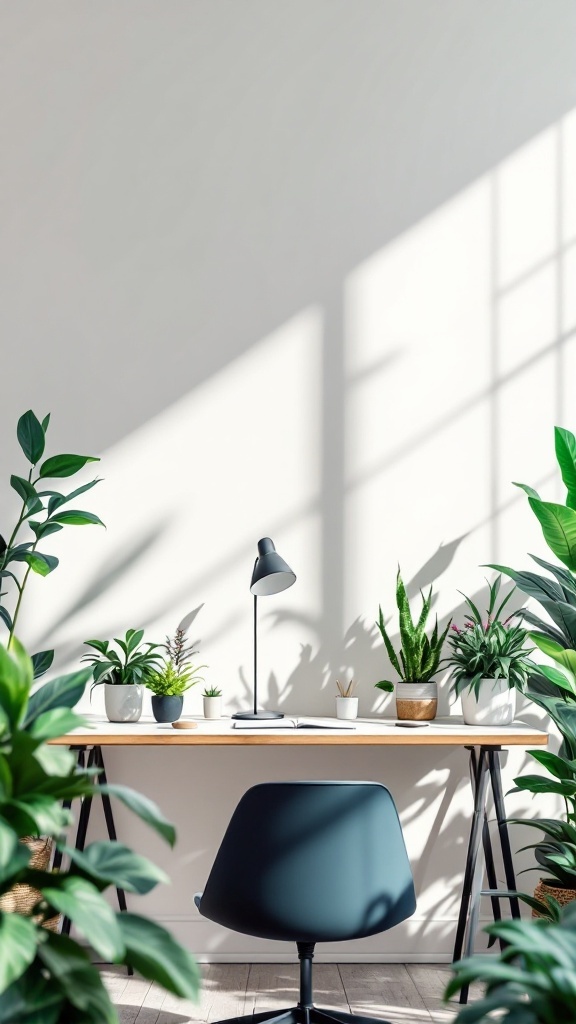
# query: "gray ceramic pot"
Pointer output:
{"type": "Point", "coordinates": [123, 703]}
{"type": "Point", "coordinates": [167, 709]}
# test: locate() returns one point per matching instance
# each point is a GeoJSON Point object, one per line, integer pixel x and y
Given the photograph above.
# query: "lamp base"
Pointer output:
{"type": "Point", "coordinates": [260, 715]}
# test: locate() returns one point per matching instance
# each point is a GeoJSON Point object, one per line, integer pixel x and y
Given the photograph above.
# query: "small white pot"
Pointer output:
{"type": "Point", "coordinates": [212, 707]}
{"type": "Point", "coordinates": [347, 707]}
{"type": "Point", "coordinates": [495, 704]}
{"type": "Point", "coordinates": [123, 703]}
{"type": "Point", "coordinates": [416, 701]}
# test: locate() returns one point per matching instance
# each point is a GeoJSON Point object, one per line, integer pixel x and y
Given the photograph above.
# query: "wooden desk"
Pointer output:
{"type": "Point", "coordinates": [483, 744]}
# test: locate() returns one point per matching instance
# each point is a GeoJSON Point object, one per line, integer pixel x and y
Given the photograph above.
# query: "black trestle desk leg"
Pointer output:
{"type": "Point", "coordinates": [83, 821]}
{"type": "Point", "coordinates": [67, 804]}
{"type": "Point", "coordinates": [496, 781]}
{"type": "Point", "coordinates": [474, 844]}
{"type": "Point", "coordinates": [488, 853]}
{"type": "Point", "coordinates": [111, 827]}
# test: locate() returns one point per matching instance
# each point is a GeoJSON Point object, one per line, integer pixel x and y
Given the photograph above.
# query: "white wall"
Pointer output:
{"type": "Point", "coordinates": [301, 269]}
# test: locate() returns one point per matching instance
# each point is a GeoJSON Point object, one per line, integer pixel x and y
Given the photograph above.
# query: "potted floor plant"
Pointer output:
{"type": "Point", "coordinates": [212, 702]}
{"type": "Point", "coordinates": [531, 980]}
{"type": "Point", "coordinates": [123, 672]}
{"type": "Point", "coordinates": [555, 854]}
{"type": "Point", "coordinates": [489, 661]}
{"type": "Point", "coordinates": [46, 977]}
{"type": "Point", "coordinates": [417, 660]}
{"type": "Point", "coordinates": [346, 702]}
{"type": "Point", "coordinates": [170, 680]}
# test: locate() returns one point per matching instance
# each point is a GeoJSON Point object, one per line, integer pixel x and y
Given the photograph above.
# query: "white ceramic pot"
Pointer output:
{"type": "Point", "coordinates": [212, 707]}
{"type": "Point", "coordinates": [416, 702]}
{"type": "Point", "coordinates": [495, 704]}
{"type": "Point", "coordinates": [347, 707]}
{"type": "Point", "coordinates": [123, 703]}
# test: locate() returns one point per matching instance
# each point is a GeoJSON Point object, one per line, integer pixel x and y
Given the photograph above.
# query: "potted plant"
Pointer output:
{"type": "Point", "coordinates": [44, 976]}
{"type": "Point", "coordinates": [532, 979]}
{"type": "Point", "coordinates": [170, 681]}
{"type": "Point", "coordinates": [417, 660]}
{"type": "Point", "coordinates": [123, 674]}
{"type": "Point", "coordinates": [556, 853]}
{"type": "Point", "coordinates": [42, 514]}
{"type": "Point", "coordinates": [212, 700]}
{"type": "Point", "coordinates": [346, 702]}
{"type": "Point", "coordinates": [489, 662]}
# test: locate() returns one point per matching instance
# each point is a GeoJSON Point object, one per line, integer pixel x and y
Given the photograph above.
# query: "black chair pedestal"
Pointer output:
{"type": "Point", "coordinates": [305, 1012]}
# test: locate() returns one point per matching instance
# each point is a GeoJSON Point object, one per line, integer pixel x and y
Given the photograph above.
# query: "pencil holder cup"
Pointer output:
{"type": "Point", "coordinates": [347, 707]}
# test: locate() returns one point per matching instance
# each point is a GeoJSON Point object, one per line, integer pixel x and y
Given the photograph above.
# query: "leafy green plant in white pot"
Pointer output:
{"type": "Point", "coordinates": [123, 674]}
{"type": "Point", "coordinates": [170, 681]}
{"type": "Point", "coordinates": [489, 662]}
{"type": "Point", "coordinates": [212, 701]}
{"type": "Point", "coordinates": [417, 660]}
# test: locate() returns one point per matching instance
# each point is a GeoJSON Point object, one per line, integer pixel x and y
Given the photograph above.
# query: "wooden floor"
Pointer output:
{"type": "Point", "coordinates": [399, 993]}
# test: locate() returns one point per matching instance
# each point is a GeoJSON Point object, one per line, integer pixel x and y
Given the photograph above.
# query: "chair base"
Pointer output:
{"type": "Point", "coordinates": [303, 1015]}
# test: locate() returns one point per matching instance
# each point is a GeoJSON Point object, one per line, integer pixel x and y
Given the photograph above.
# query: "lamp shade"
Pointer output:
{"type": "Point", "coordinates": [271, 573]}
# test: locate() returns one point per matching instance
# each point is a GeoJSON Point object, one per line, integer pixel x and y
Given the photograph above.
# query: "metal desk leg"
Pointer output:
{"type": "Point", "coordinates": [96, 758]}
{"type": "Point", "coordinates": [496, 781]}
{"type": "Point", "coordinates": [488, 852]}
{"type": "Point", "coordinates": [480, 790]}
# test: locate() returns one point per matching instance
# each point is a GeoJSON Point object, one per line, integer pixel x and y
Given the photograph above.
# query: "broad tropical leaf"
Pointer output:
{"type": "Point", "coordinates": [559, 528]}
{"type": "Point", "coordinates": [31, 437]}
{"type": "Point", "coordinates": [64, 465]}
{"type": "Point", "coordinates": [81, 901]}
{"type": "Point", "coordinates": [565, 445]}
{"type": "Point", "coordinates": [62, 692]}
{"type": "Point", "coordinates": [115, 864]}
{"type": "Point", "coordinates": [145, 808]}
{"type": "Point", "coordinates": [153, 952]}
{"type": "Point", "coordinates": [18, 942]}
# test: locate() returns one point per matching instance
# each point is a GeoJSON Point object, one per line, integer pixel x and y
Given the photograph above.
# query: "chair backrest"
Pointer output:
{"type": "Point", "coordinates": [311, 862]}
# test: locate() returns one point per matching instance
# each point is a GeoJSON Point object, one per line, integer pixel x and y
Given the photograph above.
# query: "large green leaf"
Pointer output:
{"type": "Point", "coordinates": [145, 808]}
{"type": "Point", "coordinates": [31, 437]}
{"type": "Point", "coordinates": [65, 691]}
{"type": "Point", "coordinates": [64, 465]}
{"type": "Point", "coordinates": [41, 662]}
{"type": "Point", "coordinates": [39, 563]}
{"type": "Point", "coordinates": [23, 487]}
{"type": "Point", "coordinates": [17, 947]}
{"type": "Point", "coordinates": [78, 978]}
{"type": "Point", "coordinates": [50, 725]}
{"type": "Point", "coordinates": [81, 901]}
{"type": "Point", "coordinates": [155, 954]}
{"type": "Point", "coordinates": [71, 517]}
{"type": "Point", "coordinates": [559, 528]}
{"type": "Point", "coordinates": [112, 863]}
{"type": "Point", "coordinates": [39, 814]}
{"type": "Point", "coordinates": [15, 681]}
{"type": "Point", "coordinates": [32, 999]}
{"type": "Point", "coordinates": [565, 445]}
{"type": "Point", "coordinates": [57, 499]}
{"type": "Point", "coordinates": [564, 656]}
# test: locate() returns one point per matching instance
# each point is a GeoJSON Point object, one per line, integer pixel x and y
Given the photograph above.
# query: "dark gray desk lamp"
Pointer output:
{"type": "Point", "coordinates": [271, 575]}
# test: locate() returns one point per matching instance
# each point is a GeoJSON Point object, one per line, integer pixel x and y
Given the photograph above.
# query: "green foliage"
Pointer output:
{"type": "Point", "coordinates": [47, 978]}
{"type": "Point", "coordinates": [419, 656]}
{"type": "Point", "coordinates": [532, 980]}
{"type": "Point", "coordinates": [36, 502]}
{"type": "Point", "coordinates": [212, 691]}
{"type": "Point", "coordinates": [166, 682]}
{"type": "Point", "coordinates": [177, 674]}
{"type": "Point", "coordinates": [135, 663]}
{"type": "Point", "coordinates": [487, 648]}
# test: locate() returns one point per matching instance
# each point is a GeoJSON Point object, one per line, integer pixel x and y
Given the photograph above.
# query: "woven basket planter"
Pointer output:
{"type": "Point", "coordinates": [22, 898]}
{"type": "Point", "coordinates": [562, 896]}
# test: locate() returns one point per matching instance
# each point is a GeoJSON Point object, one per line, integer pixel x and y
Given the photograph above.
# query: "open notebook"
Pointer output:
{"type": "Point", "coordinates": [292, 723]}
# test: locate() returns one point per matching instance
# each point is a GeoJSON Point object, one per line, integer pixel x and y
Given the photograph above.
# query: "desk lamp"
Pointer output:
{"type": "Point", "coordinates": [270, 575]}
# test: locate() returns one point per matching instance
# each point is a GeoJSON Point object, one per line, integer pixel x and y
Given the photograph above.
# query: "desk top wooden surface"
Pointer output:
{"type": "Point", "coordinates": [449, 732]}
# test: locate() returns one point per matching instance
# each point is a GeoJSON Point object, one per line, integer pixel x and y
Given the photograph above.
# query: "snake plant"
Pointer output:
{"type": "Point", "coordinates": [419, 655]}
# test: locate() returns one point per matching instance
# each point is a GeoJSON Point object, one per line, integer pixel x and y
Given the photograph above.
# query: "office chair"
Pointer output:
{"type": "Point", "coordinates": [310, 862]}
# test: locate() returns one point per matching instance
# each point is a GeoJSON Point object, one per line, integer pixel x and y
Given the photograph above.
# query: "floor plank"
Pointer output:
{"type": "Point", "coordinates": [398, 993]}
